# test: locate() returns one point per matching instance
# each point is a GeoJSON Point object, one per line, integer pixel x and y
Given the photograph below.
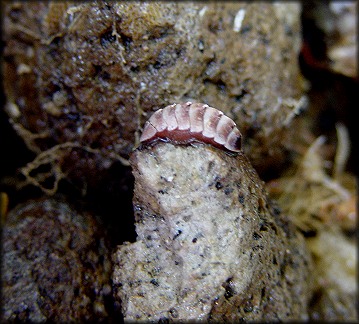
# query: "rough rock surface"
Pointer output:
{"type": "Point", "coordinates": [83, 77]}
{"type": "Point", "coordinates": [210, 245]}
{"type": "Point", "coordinates": [55, 265]}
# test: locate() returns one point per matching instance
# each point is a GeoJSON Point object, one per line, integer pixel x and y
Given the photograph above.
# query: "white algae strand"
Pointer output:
{"type": "Point", "coordinates": [210, 244]}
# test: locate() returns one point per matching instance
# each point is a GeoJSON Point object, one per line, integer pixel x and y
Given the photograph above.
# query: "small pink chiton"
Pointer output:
{"type": "Point", "coordinates": [185, 123]}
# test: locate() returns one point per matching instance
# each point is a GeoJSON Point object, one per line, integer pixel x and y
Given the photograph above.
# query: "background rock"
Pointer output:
{"type": "Point", "coordinates": [80, 79]}
{"type": "Point", "coordinates": [55, 265]}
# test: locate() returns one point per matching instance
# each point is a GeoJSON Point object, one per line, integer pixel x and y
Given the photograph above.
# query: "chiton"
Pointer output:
{"type": "Point", "coordinates": [185, 123]}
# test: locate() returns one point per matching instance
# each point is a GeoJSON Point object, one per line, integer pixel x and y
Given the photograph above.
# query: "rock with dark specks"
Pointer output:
{"type": "Point", "coordinates": [210, 244]}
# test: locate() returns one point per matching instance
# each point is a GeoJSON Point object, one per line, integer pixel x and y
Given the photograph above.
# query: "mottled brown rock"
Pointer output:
{"type": "Point", "coordinates": [210, 244]}
{"type": "Point", "coordinates": [90, 73]}
{"type": "Point", "coordinates": [55, 265]}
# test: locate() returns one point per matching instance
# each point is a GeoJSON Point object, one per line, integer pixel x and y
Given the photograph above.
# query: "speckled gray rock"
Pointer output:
{"type": "Point", "coordinates": [210, 244]}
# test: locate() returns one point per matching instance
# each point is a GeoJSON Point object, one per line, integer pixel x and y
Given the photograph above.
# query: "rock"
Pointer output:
{"type": "Point", "coordinates": [81, 79]}
{"type": "Point", "coordinates": [55, 265]}
{"type": "Point", "coordinates": [211, 246]}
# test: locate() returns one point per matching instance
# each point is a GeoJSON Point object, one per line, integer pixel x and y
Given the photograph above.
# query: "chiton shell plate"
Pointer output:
{"type": "Point", "coordinates": [184, 123]}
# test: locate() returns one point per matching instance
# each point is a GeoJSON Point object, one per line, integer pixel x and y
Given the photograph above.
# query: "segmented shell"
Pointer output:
{"type": "Point", "coordinates": [188, 122]}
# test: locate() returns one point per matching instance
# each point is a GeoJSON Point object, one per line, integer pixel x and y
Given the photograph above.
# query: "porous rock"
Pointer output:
{"type": "Point", "coordinates": [55, 265]}
{"type": "Point", "coordinates": [210, 244]}
{"type": "Point", "coordinates": [90, 74]}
